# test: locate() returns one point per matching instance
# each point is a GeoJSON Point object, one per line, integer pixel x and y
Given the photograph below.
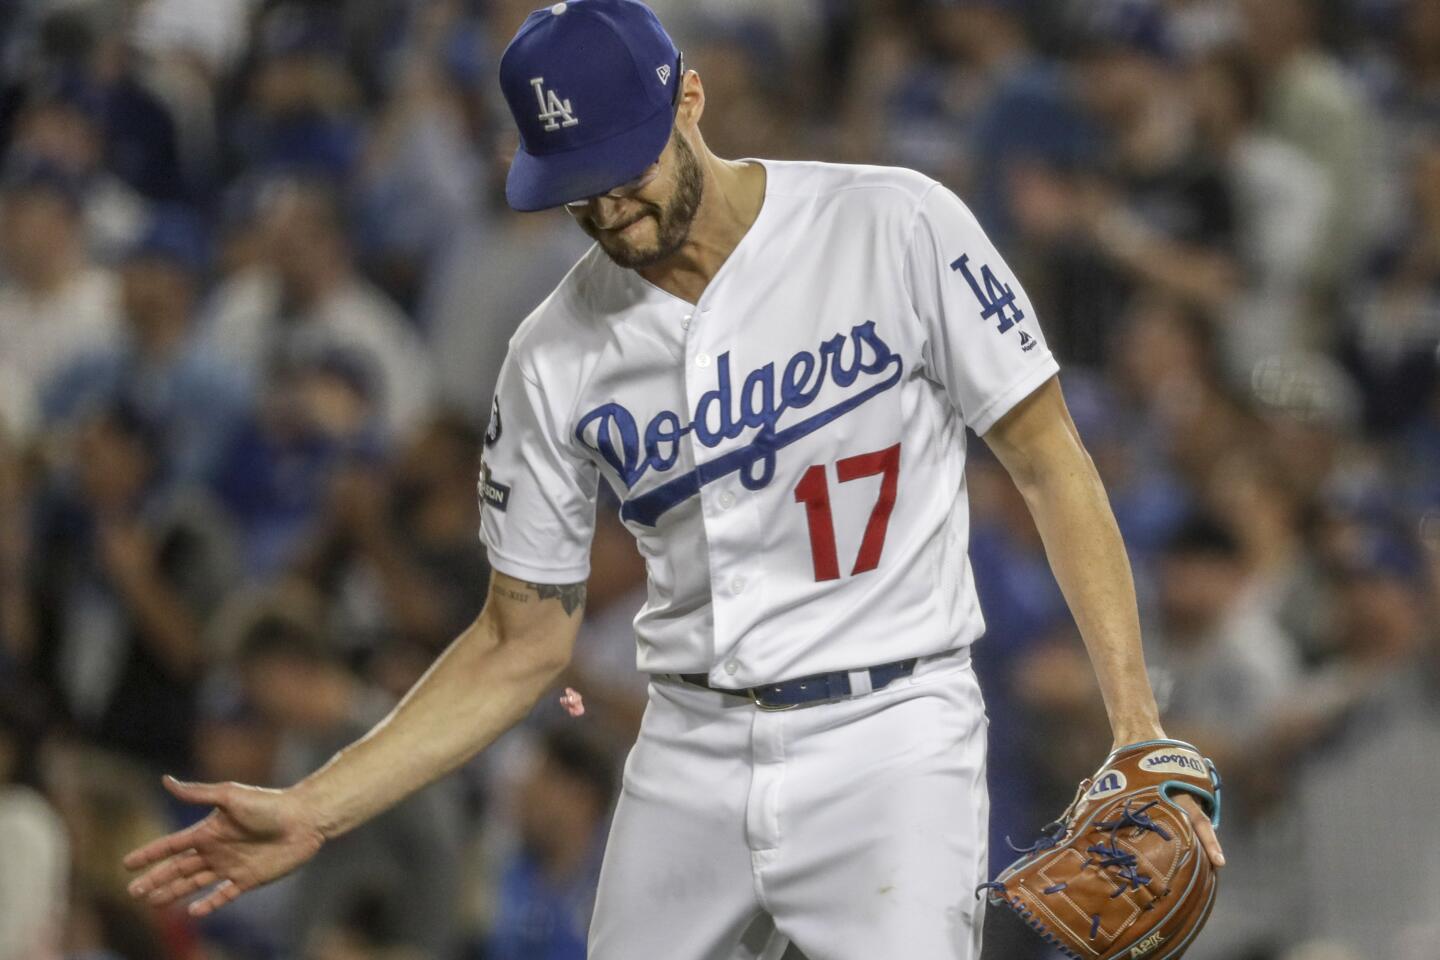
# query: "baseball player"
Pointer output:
{"type": "Point", "coordinates": [773, 365]}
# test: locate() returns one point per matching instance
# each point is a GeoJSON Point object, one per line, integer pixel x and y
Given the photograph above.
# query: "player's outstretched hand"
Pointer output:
{"type": "Point", "coordinates": [253, 836]}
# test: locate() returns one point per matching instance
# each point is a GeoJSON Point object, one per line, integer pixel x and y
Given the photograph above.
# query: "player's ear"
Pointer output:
{"type": "Point", "coordinates": [692, 100]}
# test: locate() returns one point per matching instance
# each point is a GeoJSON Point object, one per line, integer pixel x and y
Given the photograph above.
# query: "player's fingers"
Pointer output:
{"type": "Point", "coordinates": [180, 865]}
{"type": "Point", "coordinates": [185, 886]}
{"type": "Point", "coordinates": [1209, 841]}
{"type": "Point", "coordinates": [217, 898]}
{"type": "Point", "coordinates": [166, 846]}
{"type": "Point", "coordinates": [211, 793]}
{"type": "Point", "coordinates": [1204, 831]}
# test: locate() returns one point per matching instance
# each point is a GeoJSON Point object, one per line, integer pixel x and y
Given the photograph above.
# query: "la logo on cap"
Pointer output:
{"type": "Point", "coordinates": [555, 112]}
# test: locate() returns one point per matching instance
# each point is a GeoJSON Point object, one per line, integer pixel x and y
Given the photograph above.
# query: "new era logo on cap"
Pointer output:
{"type": "Point", "coordinates": [579, 78]}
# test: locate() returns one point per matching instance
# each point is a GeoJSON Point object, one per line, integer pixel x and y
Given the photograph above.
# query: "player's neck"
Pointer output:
{"type": "Point", "coordinates": [733, 195]}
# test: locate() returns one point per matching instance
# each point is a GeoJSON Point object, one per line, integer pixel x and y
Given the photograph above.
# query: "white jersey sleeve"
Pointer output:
{"type": "Point", "coordinates": [984, 344]}
{"type": "Point", "coordinates": [537, 495]}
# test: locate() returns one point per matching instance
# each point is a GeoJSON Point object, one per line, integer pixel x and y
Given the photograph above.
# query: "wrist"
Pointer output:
{"type": "Point", "coordinates": [311, 806]}
{"type": "Point", "coordinates": [1137, 732]}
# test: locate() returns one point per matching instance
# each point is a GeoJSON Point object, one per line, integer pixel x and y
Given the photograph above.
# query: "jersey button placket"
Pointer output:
{"type": "Point", "coordinates": [699, 378]}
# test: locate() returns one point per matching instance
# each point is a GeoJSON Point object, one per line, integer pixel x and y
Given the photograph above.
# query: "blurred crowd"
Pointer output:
{"type": "Point", "coordinates": [256, 282]}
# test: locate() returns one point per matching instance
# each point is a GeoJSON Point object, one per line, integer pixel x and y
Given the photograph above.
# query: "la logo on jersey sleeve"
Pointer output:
{"type": "Point", "coordinates": [997, 299]}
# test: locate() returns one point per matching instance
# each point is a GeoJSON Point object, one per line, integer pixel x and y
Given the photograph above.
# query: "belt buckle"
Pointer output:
{"type": "Point", "coordinates": [768, 708]}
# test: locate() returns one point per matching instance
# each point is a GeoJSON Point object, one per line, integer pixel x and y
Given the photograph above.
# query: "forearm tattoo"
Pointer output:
{"type": "Point", "coordinates": [570, 595]}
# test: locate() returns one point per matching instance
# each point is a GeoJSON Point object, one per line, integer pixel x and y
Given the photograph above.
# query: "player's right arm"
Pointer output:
{"type": "Point", "coordinates": [485, 682]}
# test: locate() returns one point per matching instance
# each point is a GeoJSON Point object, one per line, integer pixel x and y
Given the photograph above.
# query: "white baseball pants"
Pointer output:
{"type": "Point", "coordinates": [855, 830]}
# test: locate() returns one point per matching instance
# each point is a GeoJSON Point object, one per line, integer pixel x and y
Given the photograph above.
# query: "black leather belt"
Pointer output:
{"type": "Point", "coordinates": [817, 688]}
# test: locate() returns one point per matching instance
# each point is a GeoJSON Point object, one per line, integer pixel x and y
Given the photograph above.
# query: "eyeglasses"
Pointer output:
{"type": "Point", "coordinates": [647, 177]}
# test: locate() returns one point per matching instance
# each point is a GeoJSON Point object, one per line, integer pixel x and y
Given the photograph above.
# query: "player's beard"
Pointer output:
{"type": "Point", "coordinates": [672, 220]}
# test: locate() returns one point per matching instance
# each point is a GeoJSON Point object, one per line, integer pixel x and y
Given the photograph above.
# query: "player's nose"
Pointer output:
{"type": "Point", "coordinates": [609, 212]}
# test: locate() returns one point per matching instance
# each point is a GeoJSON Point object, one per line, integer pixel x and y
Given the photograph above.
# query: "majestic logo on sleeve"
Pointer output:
{"type": "Point", "coordinates": [555, 112]}
{"type": "Point", "coordinates": [861, 360]}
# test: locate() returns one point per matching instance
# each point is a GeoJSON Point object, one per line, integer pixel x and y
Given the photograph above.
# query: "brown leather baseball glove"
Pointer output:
{"type": "Point", "coordinates": [1121, 874]}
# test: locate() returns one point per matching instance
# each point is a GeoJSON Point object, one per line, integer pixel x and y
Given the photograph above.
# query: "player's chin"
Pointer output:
{"type": "Point", "coordinates": [631, 252]}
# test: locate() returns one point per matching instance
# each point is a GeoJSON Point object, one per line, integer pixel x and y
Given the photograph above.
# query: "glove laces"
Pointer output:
{"type": "Point", "coordinates": [1111, 856]}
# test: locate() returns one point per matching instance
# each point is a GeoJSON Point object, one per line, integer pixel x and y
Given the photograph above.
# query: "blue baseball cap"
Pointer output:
{"type": "Point", "coordinates": [1134, 26]}
{"type": "Point", "coordinates": [176, 236]}
{"type": "Point", "coordinates": [593, 86]}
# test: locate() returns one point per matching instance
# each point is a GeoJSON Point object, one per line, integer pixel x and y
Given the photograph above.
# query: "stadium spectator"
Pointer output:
{"type": "Point", "coordinates": [396, 551]}
{"type": "Point", "coordinates": [1022, 110]}
{"type": "Point", "coordinates": [547, 888]}
{"type": "Point", "coordinates": [34, 872]}
{"type": "Point", "coordinates": [1221, 663]}
{"type": "Point", "coordinates": [55, 304]}
{"type": "Point", "coordinates": [1282, 199]}
{"type": "Point", "coordinates": [125, 575]}
{"type": "Point", "coordinates": [405, 864]}
{"type": "Point", "coordinates": [1250, 493]}
{"type": "Point", "coordinates": [1223, 670]}
{"type": "Point", "coordinates": [422, 177]}
{"type": "Point", "coordinates": [1310, 101]}
{"type": "Point", "coordinates": [106, 804]}
{"type": "Point", "coordinates": [1165, 215]}
{"type": "Point", "coordinates": [323, 303]}
{"type": "Point", "coordinates": [302, 105]}
{"type": "Point", "coordinates": [63, 122]}
{"type": "Point", "coordinates": [1397, 305]}
{"type": "Point", "coordinates": [317, 414]}
{"type": "Point", "coordinates": [191, 397]}
{"type": "Point", "coordinates": [1383, 686]}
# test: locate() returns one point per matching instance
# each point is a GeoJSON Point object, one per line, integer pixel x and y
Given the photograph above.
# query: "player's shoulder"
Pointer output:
{"type": "Point", "coordinates": [563, 323]}
{"type": "Point", "coordinates": [850, 183]}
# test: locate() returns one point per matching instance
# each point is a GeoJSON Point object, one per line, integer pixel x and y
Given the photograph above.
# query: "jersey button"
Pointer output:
{"type": "Point", "coordinates": [727, 500]}
{"type": "Point", "coordinates": [732, 668]}
{"type": "Point", "coordinates": [702, 360]}
{"type": "Point", "coordinates": [738, 584]}
{"type": "Point", "coordinates": [685, 322]}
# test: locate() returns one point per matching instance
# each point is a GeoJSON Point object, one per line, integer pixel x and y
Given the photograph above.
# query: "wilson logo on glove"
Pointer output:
{"type": "Point", "coordinates": [1107, 786]}
{"type": "Point", "coordinates": [1170, 761]}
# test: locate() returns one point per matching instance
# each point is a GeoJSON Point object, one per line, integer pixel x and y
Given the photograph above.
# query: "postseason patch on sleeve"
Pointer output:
{"type": "Point", "coordinates": [492, 492]}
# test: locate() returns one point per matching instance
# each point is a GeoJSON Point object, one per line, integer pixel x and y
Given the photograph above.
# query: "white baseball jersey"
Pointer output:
{"type": "Point", "coordinates": [790, 450]}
